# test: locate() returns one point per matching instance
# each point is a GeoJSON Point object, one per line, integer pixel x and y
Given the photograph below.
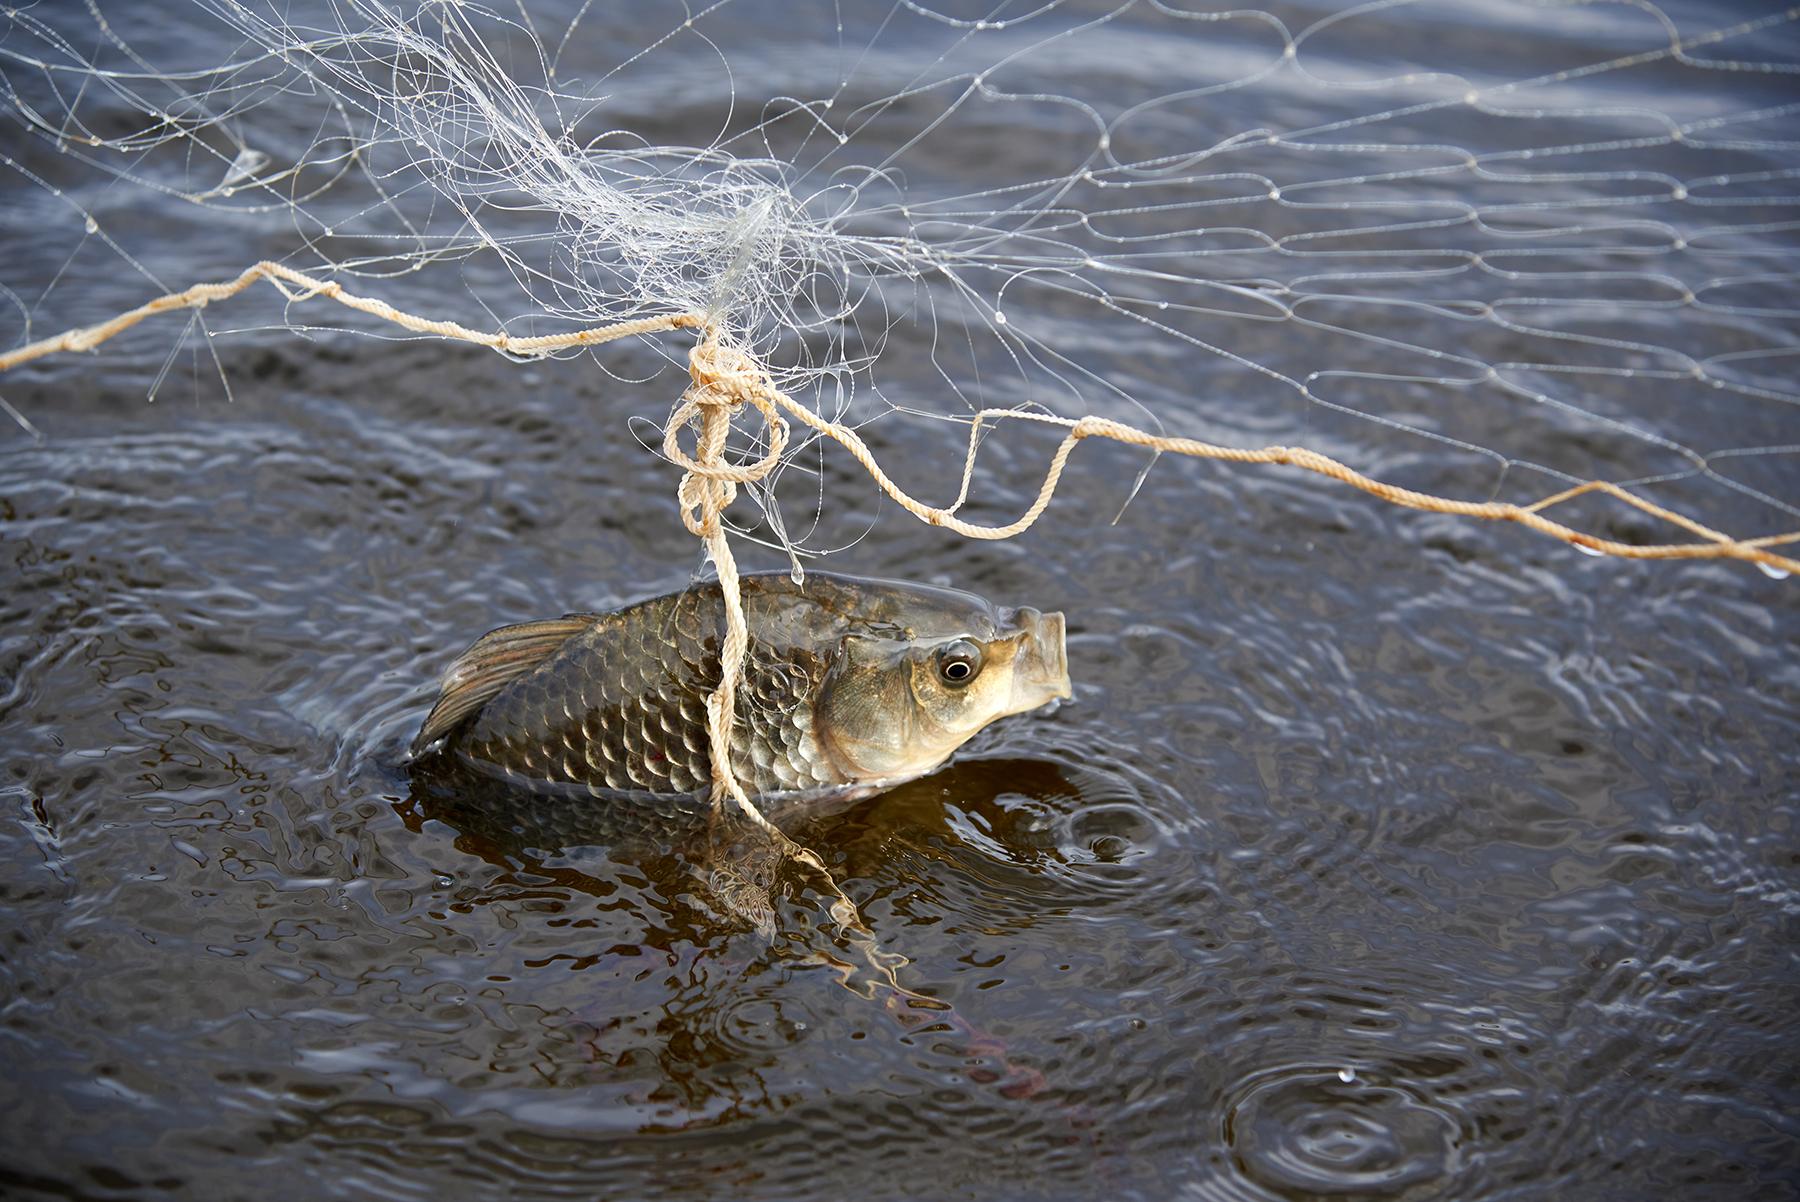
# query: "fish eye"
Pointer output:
{"type": "Point", "coordinates": [958, 662]}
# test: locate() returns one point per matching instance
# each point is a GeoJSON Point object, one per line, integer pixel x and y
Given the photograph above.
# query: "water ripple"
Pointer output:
{"type": "Point", "coordinates": [1309, 1129]}
{"type": "Point", "coordinates": [1378, 855]}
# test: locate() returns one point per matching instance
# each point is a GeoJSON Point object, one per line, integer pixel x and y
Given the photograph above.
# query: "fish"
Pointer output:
{"type": "Point", "coordinates": [850, 687]}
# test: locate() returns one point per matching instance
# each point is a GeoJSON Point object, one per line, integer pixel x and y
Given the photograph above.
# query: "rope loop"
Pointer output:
{"type": "Point", "coordinates": [724, 379]}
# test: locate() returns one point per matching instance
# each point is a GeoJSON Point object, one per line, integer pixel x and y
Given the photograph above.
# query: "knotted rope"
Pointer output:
{"type": "Point", "coordinates": [723, 379]}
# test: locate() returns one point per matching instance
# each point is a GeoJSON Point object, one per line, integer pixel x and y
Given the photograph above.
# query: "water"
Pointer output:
{"type": "Point", "coordinates": [1379, 855]}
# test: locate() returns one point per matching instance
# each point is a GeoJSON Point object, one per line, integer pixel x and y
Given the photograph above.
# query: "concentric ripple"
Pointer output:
{"type": "Point", "coordinates": [1307, 1130]}
{"type": "Point", "coordinates": [754, 1026]}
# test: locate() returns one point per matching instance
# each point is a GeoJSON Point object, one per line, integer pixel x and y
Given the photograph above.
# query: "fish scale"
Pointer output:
{"type": "Point", "coordinates": [622, 707]}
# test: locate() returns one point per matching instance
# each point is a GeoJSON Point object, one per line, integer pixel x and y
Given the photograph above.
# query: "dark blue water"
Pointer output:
{"type": "Point", "coordinates": [1378, 855]}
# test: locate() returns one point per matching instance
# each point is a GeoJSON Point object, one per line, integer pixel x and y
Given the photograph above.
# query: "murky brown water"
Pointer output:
{"type": "Point", "coordinates": [1378, 855]}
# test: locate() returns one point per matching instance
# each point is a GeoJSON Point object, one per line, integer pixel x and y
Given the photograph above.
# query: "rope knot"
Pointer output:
{"type": "Point", "coordinates": [724, 379]}
{"type": "Point", "coordinates": [730, 374]}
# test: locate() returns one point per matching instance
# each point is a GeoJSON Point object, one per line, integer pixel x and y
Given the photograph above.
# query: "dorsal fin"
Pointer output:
{"type": "Point", "coordinates": [492, 662]}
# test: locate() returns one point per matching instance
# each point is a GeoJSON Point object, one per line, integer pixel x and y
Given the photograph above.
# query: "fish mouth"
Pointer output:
{"type": "Point", "coordinates": [1041, 672]}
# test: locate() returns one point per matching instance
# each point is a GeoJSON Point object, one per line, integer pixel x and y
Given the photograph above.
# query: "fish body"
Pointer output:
{"type": "Point", "coordinates": [850, 686]}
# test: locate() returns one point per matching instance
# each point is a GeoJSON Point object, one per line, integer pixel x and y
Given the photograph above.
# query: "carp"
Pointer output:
{"type": "Point", "coordinates": [850, 687]}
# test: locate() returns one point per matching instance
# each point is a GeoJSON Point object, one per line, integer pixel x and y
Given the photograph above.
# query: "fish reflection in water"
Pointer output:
{"type": "Point", "coordinates": [699, 1049]}
{"type": "Point", "coordinates": [713, 1050]}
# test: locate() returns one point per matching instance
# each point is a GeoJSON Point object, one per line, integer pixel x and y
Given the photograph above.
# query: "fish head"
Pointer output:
{"type": "Point", "coordinates": [910, 688]}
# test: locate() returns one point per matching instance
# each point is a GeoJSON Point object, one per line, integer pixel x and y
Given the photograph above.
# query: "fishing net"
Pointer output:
{"type": "Point", "coordinates": [1527, 262]}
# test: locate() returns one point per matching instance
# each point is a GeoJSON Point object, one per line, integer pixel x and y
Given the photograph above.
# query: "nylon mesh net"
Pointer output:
{"type": "Point", "coordinates": [1490, 252]}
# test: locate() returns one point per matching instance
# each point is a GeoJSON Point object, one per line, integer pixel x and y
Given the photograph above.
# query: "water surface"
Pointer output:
{"type": "Point", "coordinates": [1378, 855]}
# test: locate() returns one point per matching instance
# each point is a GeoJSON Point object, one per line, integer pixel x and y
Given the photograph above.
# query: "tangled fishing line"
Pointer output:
{"type": "Point", "coordinates": [795, 261]}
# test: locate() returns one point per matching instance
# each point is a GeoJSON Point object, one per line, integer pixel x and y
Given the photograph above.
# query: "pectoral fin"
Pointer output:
{"type": "Point", "coordinates": [491, 663]}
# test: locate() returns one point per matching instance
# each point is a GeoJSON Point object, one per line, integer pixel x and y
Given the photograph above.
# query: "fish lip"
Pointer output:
{"type": "Point", "coordinates": [1055, 640]}
{"type": "Point", "coordinates": [1046, 665]}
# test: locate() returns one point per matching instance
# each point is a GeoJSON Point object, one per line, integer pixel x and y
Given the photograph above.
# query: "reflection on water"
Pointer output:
{"type": "Point", "coordinates": [1377, 856]}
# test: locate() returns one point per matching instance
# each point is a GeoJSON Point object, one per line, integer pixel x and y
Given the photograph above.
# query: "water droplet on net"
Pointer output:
{"type": "Point", "coordinates": [1587, 550]}
{"type": "Point", "coordinates": [93, 227]}
{"type": "Point", "coordinates": [1346, 1075]}
{"type": "Point", "coordinates": [999, 318]}
{"type": "Point", "coordinates": [1771, 571]}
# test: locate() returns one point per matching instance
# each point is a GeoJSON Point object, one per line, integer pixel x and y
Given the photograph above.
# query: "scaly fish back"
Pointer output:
{"type": "Point", "coordinates": [617, 703]}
